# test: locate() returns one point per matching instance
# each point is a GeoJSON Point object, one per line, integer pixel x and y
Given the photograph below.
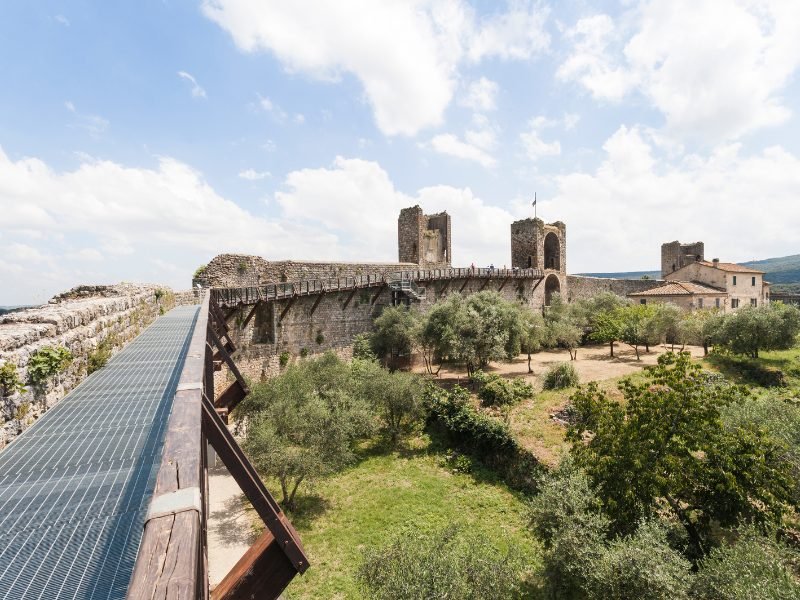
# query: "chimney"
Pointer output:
{"type": "Point", "coordinates": [716, 262]}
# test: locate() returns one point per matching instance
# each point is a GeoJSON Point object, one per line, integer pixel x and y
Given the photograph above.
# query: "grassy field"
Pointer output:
{"type": "Point", "coordinates": [387, 491]}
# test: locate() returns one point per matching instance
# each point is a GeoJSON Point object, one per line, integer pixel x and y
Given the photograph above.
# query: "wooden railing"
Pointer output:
{"type": "Point", "coordinates": [229, 297]}
{"type": "Point", "coordinates": [172, 560]}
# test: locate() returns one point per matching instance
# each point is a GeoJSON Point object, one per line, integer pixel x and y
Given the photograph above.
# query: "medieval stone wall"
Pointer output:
{"type": "Point", "coordinates": [78, 320]}
{"type": "Point", "coordinates": [580, 288]}
{"type": "Point", "coordinates": [675, 255]}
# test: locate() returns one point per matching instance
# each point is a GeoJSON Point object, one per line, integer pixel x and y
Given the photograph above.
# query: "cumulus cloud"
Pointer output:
{"type": "Point", "coordinates": [740, 204]}
{"type": "Point", "coordinates": [405, 54]}
{"type": "Point", "coordinates": [714, 69]}
{"type": "Point", "coordinates": [478, 143]}
{"type": "Point", "coordinates": [535, 146]}
{"type": "Point", "coordinates": [197, 91]}
{"type": "Point", "coordinates": [481, 95]}
{"type": "Point", "coordinates": [253, 175]}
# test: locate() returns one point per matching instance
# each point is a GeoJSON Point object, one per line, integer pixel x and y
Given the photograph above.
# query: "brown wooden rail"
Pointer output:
{"type": "Point", "coordinates": [172, 559]}
{"type": "Point", "coordinates": [229, 297]}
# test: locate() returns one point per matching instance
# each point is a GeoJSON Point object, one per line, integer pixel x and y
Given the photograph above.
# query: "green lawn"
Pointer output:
{"type": "Point", "coordinates": [382, 494]}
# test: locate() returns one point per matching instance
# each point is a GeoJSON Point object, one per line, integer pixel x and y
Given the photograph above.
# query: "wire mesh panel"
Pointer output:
{"type": "Point", "coordinates": [75, 487]}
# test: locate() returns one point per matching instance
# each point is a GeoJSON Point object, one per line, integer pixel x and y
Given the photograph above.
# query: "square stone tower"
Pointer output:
{"type": "Point", "coordinates": [424, 239]}
{"type": "Point", "coordinates": [675, 255]}
{"type": "Point", "coordinates": [536, 245]}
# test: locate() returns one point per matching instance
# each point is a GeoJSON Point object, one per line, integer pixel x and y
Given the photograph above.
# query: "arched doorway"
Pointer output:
{"type": "Point", "coordinates": [552, 252]}
{"type": "Point", "coordinates": [551, 286]}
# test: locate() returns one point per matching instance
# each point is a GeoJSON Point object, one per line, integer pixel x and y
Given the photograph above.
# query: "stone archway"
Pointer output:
{"type": "Point", "coordinates": [552, 285]}
{"type": "Point", "coordinates": [552, 252]}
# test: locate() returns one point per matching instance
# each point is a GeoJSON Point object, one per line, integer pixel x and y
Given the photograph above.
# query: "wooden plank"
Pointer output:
{"type": "Point", "coordinates": [250, 483]}
{"type": "Point", "coordinates": [262, 572]}
{"type": "Point", "coordinates": [232, 396]}
{"type": "Point", "coordinates": [170, 561]}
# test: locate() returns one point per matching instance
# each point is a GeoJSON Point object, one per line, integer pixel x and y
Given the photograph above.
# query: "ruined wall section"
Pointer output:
{"type": "Point", "coordinates": [79, 320]}
{"type": "Point", "coordinates": [583, 288]}
{"type": "Point", "coordinates": [528, 237]}
{"type": "Point", "coordinates": [242, 270]}
{"type": "Point", "coordinates": [424, 239]}
{"type": "Point", "coordinates": [675, 255]}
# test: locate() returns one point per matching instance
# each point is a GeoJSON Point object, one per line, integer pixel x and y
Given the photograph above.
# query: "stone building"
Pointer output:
{"type": "Point", "coordinates": [424, 239]}
{"type": "Point", "coordinates": [685, 294]}
{"type": "Point", "coordinates": [536, 245]}
{"type": "Point", "coordinates": [742, 285]}
{"type": "Point", "coordinates": [675, 255]}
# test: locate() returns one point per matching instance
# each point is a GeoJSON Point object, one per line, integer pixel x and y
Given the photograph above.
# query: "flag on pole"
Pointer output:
{"type": "Point", "coordinates": [534, 205]}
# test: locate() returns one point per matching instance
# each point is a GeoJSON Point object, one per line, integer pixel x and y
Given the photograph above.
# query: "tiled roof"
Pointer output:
{"type": "Point", "coordinates": [679, 288]}
{"type": "Point", "coordinates": [731, 267]}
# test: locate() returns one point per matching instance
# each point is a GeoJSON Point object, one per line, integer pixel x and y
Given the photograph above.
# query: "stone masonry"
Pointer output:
{"type": "Point", "coordinates": [423, 239]}
{"type": "Point", "coordinates": [675, 255]}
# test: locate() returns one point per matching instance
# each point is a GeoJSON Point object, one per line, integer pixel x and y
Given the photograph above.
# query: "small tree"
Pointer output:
{"type": "Point", "coordinates": [302, 424]}
{"type": "Point", "coordinates": [533, 333]}
{"type": "Point", "coordinates": [437, 332]}
{"type": "Point", "coordinates": [453, 563]}
{"type": "Point", "coordinates": [701, 327]}
{"type": "Point", "coordinates": [668, 442]}
{"type": "Point", "coordinates": [637, 326]}
{"type": "Point", "coordinates": [752, 329]}
{"type": "Point", "coordinates": [561, 329]}
{"type": "Point", "coordinates": [393, 333]}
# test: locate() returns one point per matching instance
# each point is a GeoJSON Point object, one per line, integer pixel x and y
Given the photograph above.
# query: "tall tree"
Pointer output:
{"type": "Point", "coordinates": [393, 332]}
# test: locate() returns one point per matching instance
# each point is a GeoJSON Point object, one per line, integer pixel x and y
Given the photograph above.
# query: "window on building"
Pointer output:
{"type": "Point", "coordinates": [734, 280]}
{"type": "Point", "coordinates": [753, 301]}
{"type": "Point", "coordinates": [754, 280]}
{"type": "Point", "coordinates": [716, 302]}
{"type": "Point", "coordinates": [700, 303]}
{"type": "Point", "coordinates": [643, 301]}
{"type": "Point", "coordinates": [734, 303]}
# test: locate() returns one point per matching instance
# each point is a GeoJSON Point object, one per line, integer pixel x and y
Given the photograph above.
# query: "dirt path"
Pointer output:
{"type": "Point", "coordinates": [594, 363]}
{"type": "Point", "coordinates": [230, 524]}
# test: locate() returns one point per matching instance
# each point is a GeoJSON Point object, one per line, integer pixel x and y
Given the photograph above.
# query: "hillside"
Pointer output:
{"type": "Point", "coordinates": [783, 272]}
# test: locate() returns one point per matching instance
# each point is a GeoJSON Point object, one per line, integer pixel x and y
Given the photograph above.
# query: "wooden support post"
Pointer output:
{"type": "Point", "coordinates": [286, 308]}
{"type": "Point", "coordinates": [231, 312]}
{"type": "Point", "coordinates": [237, 390]}
{"type": "Point", "coordinates": [316, 303]}
{"type": "Point", "coordinates": [444, 288]}
{"type": "Point", "coordinates": [463, 285]}
{"type": "Point", "coordinates": [377, 294]}
{"type": "Point", "coordinates": [249, 482]}
{"type": "Point", "coordinates": [484, 284]}
{"type": "Point", "coordinates": [350, 297]}
{"type": "Point", "coordinates": [252, 314]}
{"type": "Point", "coordinates": [218, 317]}
{"type": "Point", "coordinates": [502, 285]}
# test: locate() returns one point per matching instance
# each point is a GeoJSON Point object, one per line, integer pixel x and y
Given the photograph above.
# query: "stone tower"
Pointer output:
{"type": "Point", "coordinates": [536, 245]}
{"type": "Point", "coordinates": [675, 255]}
{"type": "Point", "coordinates": [424, 239]}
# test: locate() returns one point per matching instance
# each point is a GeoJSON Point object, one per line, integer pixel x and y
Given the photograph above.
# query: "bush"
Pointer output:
{"type": "Point", "coordinates": [303, 352]}
{"type": "Point", "coordinates": [199, 271]}
{"type": "Point", "coordinates": [320, 337]}
{"type": "Point", "coordinates": [362, 347]}
{"type": "Point", "coordinates": [98, 358]}
{"type": "Point", "coordinates": [497, 391]}
{"type": "Point", "coordinates": [47, 362]}
{"type": "Point", "coordinates": [754, 568]}
{"type": "Point", "coordinates": [453, 563]}
{"type": "Point", "coordinates": [10, 382]}
{"type": "Point", "coordinates": [283, 359]}
{"type": "Point", "coordinates": [560, 376]}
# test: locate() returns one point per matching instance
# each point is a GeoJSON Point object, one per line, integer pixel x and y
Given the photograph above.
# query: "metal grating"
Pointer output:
{"type": "Point", "coordinates": [75, 487]}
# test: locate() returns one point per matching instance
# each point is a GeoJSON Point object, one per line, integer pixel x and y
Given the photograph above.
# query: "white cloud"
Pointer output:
{"type": "Point", "coordinates": [477, 145]}
{"type": "Point", "coordinates": [94, 125]}
{"type": "Point", "coordinates": [535, 146]}
{"type": "Point", "coordinates": [714, 69]}
{"type": "Point", "coordinates": [197, 91]}
{"type": "Point", "coordinates": [481, 95]}
{"type": "Point", "coordinates": [617, 216]}
{"type": "Point", "coordinates": [253, 175]}
{"type": "Point", "coordinates": [63, 20]}
{"type": "Point", "coordinates": [405, 54]}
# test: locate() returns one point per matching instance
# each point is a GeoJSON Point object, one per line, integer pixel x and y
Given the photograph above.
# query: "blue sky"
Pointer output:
{"type": "Point", "coordinates": [138, 140]}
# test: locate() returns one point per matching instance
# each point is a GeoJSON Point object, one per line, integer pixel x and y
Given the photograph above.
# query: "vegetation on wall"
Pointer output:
{"type": "Point", "coordinates": [10, 383]}
{"type": "Point", "coordinates": [47, 362]}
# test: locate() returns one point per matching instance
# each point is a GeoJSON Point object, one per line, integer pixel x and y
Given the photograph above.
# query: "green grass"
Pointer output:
{"type": "Point", "coordinates": [385, 492]}
{"type": "Point", "coordinates": [787, 361]}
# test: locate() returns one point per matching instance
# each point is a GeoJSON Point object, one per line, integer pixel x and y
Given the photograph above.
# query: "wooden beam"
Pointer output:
{"type": "Point", "coordinates": [350, 297]}
{"type": "Point", "coordinates": [218, 316]}
{"type": "Point", "coordinates": [463, 285]}
{"type": "Point", "coordinates": [484, 284]}
{"type": "Point", "coordinates": [377, 294]}
{"type": "Point", "coordinates": [502, 285]}
{"type": "Point", "coordinates": [262, 572]}
{"type": "Point", "coordinates": [444, 287]}
{"type": "Point", "coordinates": [231, 312]}
{"type": "Point", "coordinates": [223, 442]}
{"type": "Point", "coordinates": [286, 308]}
{"type": "Point", "coordinates": [232, 395]}
{"type": "Point", "coordinates": [316, 303]}
{"type": "Point", "coordinates": [252, 314]}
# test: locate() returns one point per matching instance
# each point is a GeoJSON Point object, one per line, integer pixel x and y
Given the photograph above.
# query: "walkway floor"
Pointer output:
{"type": "Point", "coordinates": [75, 487]}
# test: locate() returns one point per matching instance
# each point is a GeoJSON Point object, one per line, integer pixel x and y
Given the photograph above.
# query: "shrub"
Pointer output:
{"type": "Point", "coordinates": [396, 397]}
{"type": "Point", "coordinates": [362, 347]}
{"type": "Point", "coordinates": [452, 563]}
{"type": "Point", "coordinates": [754, 568]}
{"type": "Point", "coordinates": [242, 267]}
{"type": "Point", "coordinates": [497, 391]}
{"type": "Point", "coordinates": [10, 382]}
{"type": "Point", "coordinates": [560, 376]}
{"type": "Point", "coordinates": [98, 358]}
{"type": "Point", "coordinates": [320, 337]}
{"type": "Point", "coordinates": [303, 352]}
{"type": "Point", "coordinates": [200, 271]}
{"type": "Point", "coordinates": [283, 359]}
{"type": "Point", "coordinates": [47, 362]}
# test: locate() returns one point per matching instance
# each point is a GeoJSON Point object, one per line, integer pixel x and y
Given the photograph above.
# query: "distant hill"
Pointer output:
{"type": "Point", "coordinates": [7, 309]}
{"type": "Point", "coordinates": [782, 272]}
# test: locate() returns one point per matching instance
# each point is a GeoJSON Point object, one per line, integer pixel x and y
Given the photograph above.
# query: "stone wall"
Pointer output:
{"type": "Point", "coordinates": [78, 320]}
{"type": "Point", "coordinates": [424, 240]}
{"type": "Point", "coordinates": [675, 255]}
{"type": "Point", "coordinates": [242, 270]}
{"type": "Point", "coordinates": [579, 287]}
